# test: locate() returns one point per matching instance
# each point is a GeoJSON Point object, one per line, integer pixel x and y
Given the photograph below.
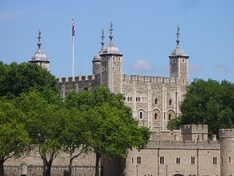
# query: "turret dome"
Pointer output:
{"type": "Point", "coordinates": [111, 49]}
{"type": "Point", "coordinates": [178, 52]}
{"type": "Point", "coordinates": [39, 56]}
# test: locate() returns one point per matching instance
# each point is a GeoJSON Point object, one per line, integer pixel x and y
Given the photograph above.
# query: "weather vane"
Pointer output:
{"type": "Point", "coordinates": [178, 34]}
{"type": "Point", "coordinates": [102, 37]}
{"type": "Point", "coordinates": [111, 29]}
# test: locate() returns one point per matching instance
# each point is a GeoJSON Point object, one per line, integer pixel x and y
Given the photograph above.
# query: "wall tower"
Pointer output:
{"type": "Point", "coordinates": [111, 66]}
{"type": "Point", "coordinates": [226, 139]}
{"type": "Point", "coordinates": [39, 57]}
{"type": "Point", "coordinates": [179, 63]}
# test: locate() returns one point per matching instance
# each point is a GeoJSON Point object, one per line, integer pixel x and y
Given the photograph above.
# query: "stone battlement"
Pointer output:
{"type": "Point", "coordinates": [193, 128]}
{"type": "Point", "coordinates": [154, 79]}
{"type": "Point", "coordinates": [64, 80]}
{"type": "Point", "coordinates": [184, 145]}
{"type": "Point", "coordinates": [226, 133]}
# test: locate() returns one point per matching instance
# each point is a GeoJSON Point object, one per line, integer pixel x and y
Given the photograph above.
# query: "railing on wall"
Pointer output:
{"type": "Point", "coordinates": [36, 170]}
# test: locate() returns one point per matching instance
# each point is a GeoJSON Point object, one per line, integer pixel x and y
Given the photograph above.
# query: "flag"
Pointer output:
{"type": "Point", "coordinates": [73, 28]}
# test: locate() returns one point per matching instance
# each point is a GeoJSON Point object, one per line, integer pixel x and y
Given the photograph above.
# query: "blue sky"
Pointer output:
{"type": "Point", "coordinates": [144, 31]}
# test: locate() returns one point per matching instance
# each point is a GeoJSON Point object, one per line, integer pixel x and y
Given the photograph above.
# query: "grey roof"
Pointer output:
{"type": "Point", "coordinates": [111, 49]}
{"type": "Point", "coordinates": [178, 52]}
{"type": "Point", "coordinates": [97, 56]}
{"type": "Point", "coordinates": [39, 56]}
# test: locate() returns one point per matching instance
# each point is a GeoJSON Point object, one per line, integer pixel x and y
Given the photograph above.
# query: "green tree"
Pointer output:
{"type": "Point", "coordinates": [111, 128]}
{"type": "Point", "coordinates": [209, 102]}
{"type": "Point", "coordinates": [14, 138]}
{"type": "Point", "coordinates": [45, 124]}
{"type": "Point", "coordinates": [74, 135]}
{"type": "Point", "coordinates": [17, 78]}
{"type": "Point", "coordinates": [174, 124]}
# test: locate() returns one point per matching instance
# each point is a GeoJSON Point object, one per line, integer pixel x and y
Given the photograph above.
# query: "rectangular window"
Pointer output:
{"type": "Point", "coordinates": [138, 160]}
{"type": "Point", "coordinates": [177, 160]}
{"type": "Point", "coordinates": [161, 160]}
{"type": "Point", "coordinates": [230, 160]}
{"type": "Point", "coordinates": [215, 160]}
{"type": "Point", "coordinates": [192, 160]}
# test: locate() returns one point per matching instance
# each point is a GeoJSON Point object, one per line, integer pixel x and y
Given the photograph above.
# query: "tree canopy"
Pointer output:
{"type": "Point", "coordinates": [17, 78]}
{"type": "Point", "coordinates": [14, 137]}
{"type": "Point", "coordinates": [110, 127]}
{"type": "Point", "coordinates": [209, 102]}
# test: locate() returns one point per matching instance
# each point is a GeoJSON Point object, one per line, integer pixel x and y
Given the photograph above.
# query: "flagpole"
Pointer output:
{"type": "Point", "coordinates": [73, 55]}
{"type": "Point", "coordinates": [73, 43]}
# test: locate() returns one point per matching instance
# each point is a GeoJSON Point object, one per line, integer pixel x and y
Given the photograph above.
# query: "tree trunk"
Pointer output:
{"type": "Point", "coordinates": [70, 166]}
{"type": "Point", "coordinates": [98, 156]}
{"type": "Point", "coordinates": [1, 168]}
{"type": "Point", "coordinates": [47, 169]}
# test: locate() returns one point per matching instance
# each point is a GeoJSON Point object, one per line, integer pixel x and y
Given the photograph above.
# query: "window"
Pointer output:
{"type": "Point", "coordinates": [156, 101]}
{"type": "Point", "coordinates": [137, 98]}
{"type": "Point", "coordinates": [161, 160]}
{"type": "Point", "coordinates": [177, 160]}
{"type": "Point", "coordinates": [170, 102]}
{"type": "Point", "coordinates": [141, 115]}
{"type": "Point", "coordinates": [132, 159]}
{"type": "Point", "coordinates": [230, 160]}
{"type": "Point", "coordinates": [124, 160]}
{"type": "Point", "coordinates": [155, 116]}
{"type": "Point", "coordinates": [138, 160]}
{"type": "Point", "coordinates": [169, 117]}
{"type": "Point", "coordinates": [192, 160]}
{"type": "Point", "coordinates": [214, 160]}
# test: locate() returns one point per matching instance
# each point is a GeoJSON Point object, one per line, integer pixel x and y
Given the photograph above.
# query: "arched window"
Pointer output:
{"type": "Point", "coordinates": [169, 117]}
{"type": "Point", "coordinates": [155, 116]}
{"type": "Point", "coordinates": [141, 115]}
{"type": "Point", "coordinates": [170, 102]}
{"type": "Point", "coordinates": [156, 101]}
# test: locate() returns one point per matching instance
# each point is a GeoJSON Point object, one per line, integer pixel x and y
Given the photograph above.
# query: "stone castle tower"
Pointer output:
{"type": "Point", "coordinates": [39, 57]}
{"type": "Point", "coordinates": [111, 66]}
{"type": "Point", "coordinates": [179, 63]}
{"type": "Point", "coordinates": [226, 138]}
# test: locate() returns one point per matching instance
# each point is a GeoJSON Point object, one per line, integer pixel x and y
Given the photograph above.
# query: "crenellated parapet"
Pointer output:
{"type": "Point", "coordinates": [193, 128]}
{"type": "Point", "coordinates": [195, 132]}
{"type": "Point", "coordinates": [77, 84]}
{"type": "Point", "coordinates": [153, 79]}
{"type": "Point", "coordinates": [226, 133]}
{"type": "Point", "coordinates": [63, 80]}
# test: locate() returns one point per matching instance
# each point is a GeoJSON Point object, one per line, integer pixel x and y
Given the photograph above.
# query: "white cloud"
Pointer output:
{"type": "Point", "coordinates": [142, 65]}
{"type": "Point", "coordinates": [195, 68]}
{"type": "Point", "coordinates": [9, 15]}
{"type": "Point", "coordinates": [221, 68]}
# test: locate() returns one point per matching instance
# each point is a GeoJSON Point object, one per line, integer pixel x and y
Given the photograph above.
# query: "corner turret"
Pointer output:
{"type": "Point", "coordinates": [179, 62]}
{"type": "Point", "coordinates": [39, 57]}
{"type": "Point", "coordinates": [111, 66]}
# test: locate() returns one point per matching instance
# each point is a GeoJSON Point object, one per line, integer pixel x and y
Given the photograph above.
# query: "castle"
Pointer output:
{"type": "Point", "coordinates": [154, 101]}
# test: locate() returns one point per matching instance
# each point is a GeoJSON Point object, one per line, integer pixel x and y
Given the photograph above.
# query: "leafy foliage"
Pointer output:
{"type": "Point", "coordinates": [17, 78]}
{"type": "Point", "coordinates": [209, 102]}
{"type": "Point", "coordinates": [14, 137]}
{"type": "Point", "coordinates": [110, 127]}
